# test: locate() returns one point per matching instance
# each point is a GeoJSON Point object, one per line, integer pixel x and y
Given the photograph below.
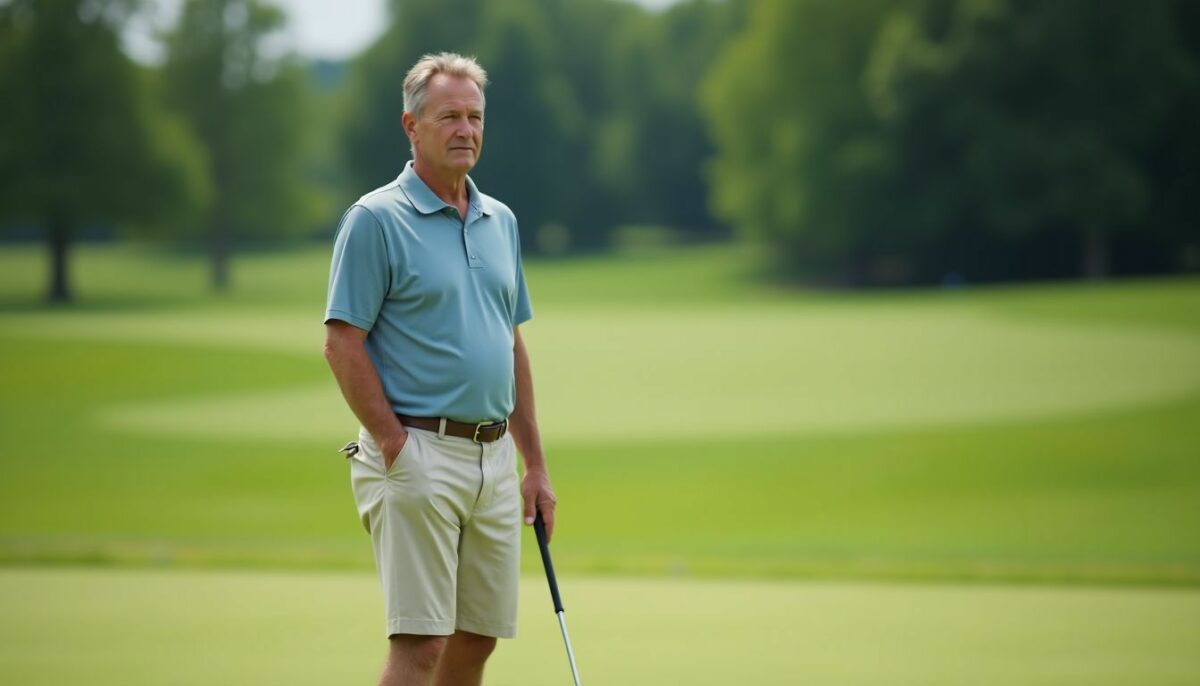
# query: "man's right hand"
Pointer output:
{"type": "Point", "coordinates": [390, 447]}
{"type": "Point", "coordinates": [345, 349]}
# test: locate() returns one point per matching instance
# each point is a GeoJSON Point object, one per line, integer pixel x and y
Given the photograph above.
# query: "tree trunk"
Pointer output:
{"type": "Point", "coordinates": [857, 272]}
{"type": "Point", "coordinates": [1095, 255]}
{"type": "Point", "coordinates": [59, 241]}
{"type": "Point", "coordinates": [219, 238]}
{"type": "Point", "coordinates": [219, 253]}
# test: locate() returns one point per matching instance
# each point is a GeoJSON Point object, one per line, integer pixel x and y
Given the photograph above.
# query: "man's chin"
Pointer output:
{"type": "Point", "coordinates": [462, 164]}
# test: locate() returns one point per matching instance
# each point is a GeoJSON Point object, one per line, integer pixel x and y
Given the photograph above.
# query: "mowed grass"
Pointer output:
{"type": "Point", "coordinates": [134, 627]}
{"type": "Point", "coordinates": [727, 455]}
{"type": "Point", "coordinates": [698, 423]}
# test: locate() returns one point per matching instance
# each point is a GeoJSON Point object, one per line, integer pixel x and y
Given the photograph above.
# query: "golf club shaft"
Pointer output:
{"type": "Point", "coordinates": [539, 528]}
{"type": "Point", "coordinates": [562, 624]}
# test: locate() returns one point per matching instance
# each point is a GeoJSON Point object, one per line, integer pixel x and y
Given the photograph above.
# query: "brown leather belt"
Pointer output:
{"type": "Point", "coordinates": [483, 432]}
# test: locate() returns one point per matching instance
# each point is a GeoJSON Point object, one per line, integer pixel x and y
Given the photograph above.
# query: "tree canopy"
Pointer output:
{"type": "Point", "coordinates": [865, 143]}
{"type": "Point", "coordinates": [247, 107]}
{"type": "Point", "coordinates": [84, 142]}
{"type": "Point", "coordinates": [885, 142]}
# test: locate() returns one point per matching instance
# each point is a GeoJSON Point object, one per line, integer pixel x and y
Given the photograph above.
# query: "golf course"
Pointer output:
{"type": "Point", "coordinates": [758, 484]}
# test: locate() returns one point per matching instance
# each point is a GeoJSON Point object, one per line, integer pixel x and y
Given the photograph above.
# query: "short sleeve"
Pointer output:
{"type": "Point", "coordinates": [522, 308]}
{"type": "Point", "coordinates": [359, 276]}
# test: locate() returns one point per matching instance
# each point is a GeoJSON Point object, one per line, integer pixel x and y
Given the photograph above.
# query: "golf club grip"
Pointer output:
{"type": "Point", "coordinates": [539, 528]}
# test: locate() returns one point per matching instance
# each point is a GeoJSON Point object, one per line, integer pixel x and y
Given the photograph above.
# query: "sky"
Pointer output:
{"type": "Point", "coordinates": [331, 29]}
{"type": "Point", "coordinates": [334, 29]}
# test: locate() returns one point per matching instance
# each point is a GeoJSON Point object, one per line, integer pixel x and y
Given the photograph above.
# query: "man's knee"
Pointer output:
{"type": "Point", "coordinates": [473, 647]}
{"type": "Point", "coordinates": [420, 652]}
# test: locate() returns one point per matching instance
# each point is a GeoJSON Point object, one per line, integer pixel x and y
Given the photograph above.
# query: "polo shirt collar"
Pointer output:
{"type": "Point", "coordinates": [478, 203]}
{"type": "Point", "coordinates": [426, 201]}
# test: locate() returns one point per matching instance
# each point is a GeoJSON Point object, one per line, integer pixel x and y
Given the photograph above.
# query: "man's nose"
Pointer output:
{"type": "Point", "coordinates": [462, 126]}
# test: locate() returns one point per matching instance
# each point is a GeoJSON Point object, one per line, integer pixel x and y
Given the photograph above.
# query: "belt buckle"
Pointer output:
{"type": "Point", "coordinates": [503, 427]}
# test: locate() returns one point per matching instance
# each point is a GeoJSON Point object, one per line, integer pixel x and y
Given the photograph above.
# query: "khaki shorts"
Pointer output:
{"type": "Point", "coordinates": [445, 523]}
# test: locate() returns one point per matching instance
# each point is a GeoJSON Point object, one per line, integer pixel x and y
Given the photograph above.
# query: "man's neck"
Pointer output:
{"type": "Point", "coordinates": [452, 190]}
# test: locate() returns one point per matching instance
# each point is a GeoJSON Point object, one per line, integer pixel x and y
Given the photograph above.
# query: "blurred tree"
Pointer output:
{"type": "Point", "coordinates": [374, 145]}
{"type": "Point", "coordinates": [533, 120]}
{"type": "Point", "coordinates": [798, 143]}
{"type": "Point", "coordinates": [321, 154]}
{"type": "Point", "coordinates": [655, 144]}
{"type": "Point", "coordinates": [1174, 155]}
{"type": "Point", "coordinates": [890, 142]}
{"type": "Point", "coordinates": [584, 32]}
{"type": "Point", "coordinates": [1022, 117]}
{"type": "Point", "coordinates": [244, 98]}
{"type": "Point", "coordinates": [81, 141]}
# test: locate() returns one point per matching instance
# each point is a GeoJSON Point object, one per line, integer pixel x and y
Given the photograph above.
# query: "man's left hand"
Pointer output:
{"type": "Point", "coordinates": [539, 496]}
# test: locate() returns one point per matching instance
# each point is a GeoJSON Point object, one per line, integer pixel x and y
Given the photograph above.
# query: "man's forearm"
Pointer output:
{"type": "Point", "coordinates": [523, 422]}
{"type": "Point", "coordinates": [361, 387]}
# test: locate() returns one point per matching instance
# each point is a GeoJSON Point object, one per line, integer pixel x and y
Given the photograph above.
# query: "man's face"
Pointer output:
{"type": "Point", "coordinates": [447, 135]}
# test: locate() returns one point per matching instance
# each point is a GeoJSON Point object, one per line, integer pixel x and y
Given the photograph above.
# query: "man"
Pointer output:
{"type": "Point", "coordinates": [426, 292]}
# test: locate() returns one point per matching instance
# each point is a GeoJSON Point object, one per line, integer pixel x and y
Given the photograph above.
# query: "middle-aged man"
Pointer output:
{"type": "Point", "coordinates": [426, 292]}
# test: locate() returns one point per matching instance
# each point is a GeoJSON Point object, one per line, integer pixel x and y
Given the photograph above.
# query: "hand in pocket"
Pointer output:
{"type": "Point", "coordinates": [392, 450]}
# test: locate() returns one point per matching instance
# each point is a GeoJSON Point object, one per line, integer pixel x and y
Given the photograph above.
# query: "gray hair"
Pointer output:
{"type": "Point", "coordinates": [449, 63]}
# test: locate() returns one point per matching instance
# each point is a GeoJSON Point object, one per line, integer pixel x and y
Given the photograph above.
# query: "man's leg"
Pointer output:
{"type": "Point", "coordinates": [412, 660]}
{"type": "Point", "coordinates": [415, 553]}
{"type": "Point", "coordinates": [488, 569]}
{"type": "Point", "coordinates": [463, 659]}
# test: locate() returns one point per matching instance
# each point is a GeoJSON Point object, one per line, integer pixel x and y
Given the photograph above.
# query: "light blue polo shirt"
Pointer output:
{"type": "Point", "coordinates": [439, 298]}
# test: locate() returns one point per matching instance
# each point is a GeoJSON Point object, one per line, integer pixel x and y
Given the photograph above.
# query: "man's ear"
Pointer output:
{"type": "Point", "coordinates": [409, 122]}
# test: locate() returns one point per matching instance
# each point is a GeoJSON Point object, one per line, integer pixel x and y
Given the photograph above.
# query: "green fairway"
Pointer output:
{"type": "Point", "coordinates": [143, 627]}
{"type": "Point", "coordinates": [716, 428]}
{"type": "Point", "coordinates": [785, 370]}
{"type": "Point", "coordinates": [714, 443]}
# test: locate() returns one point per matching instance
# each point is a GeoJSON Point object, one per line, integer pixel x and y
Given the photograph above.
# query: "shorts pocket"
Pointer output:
{"type": "Point", "coordinates": [407, 456]}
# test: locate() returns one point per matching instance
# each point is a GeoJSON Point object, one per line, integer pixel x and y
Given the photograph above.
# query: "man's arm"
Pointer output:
{"type": "Point", "coordinates": [535, 487]}
{"type": "Point", "coordinates": [360, 384]}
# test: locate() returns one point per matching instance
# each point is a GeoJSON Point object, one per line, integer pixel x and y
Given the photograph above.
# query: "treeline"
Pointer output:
{"type": "Point", "coordinates": [885, 141]}
{"type": "Point", "coordinates": [209, 145]}
{"type": "Point", "coordinates": [867, 142]}
{"type": "Point", "coordinates": [592, 116]}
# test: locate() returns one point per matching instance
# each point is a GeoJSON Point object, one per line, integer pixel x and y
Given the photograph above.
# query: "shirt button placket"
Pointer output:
{"type": "Point", "coordinates": [472, 256]}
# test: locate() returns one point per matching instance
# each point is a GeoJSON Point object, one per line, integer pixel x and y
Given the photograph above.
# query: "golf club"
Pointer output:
{"type": "Point", "coordinates": [539, 527]}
